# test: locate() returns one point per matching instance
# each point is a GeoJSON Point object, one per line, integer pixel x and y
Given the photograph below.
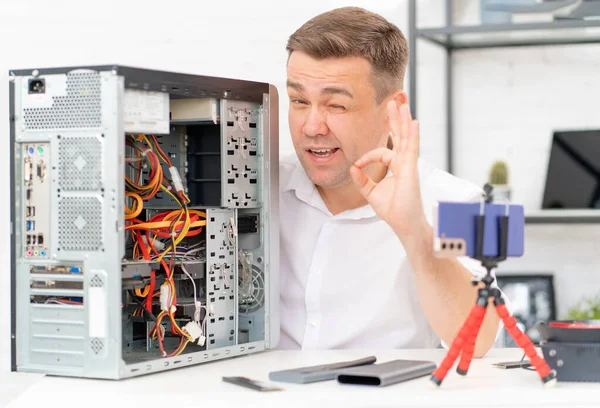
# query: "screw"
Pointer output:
{"type": "Point", "coordinates": [552, 353]}
{"type": "Point", "coordinates": [35, 73]}
{"type": "Point", "coordinates": [559, 363]}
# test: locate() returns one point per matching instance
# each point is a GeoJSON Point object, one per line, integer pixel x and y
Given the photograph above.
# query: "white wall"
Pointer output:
{"type": "Point", "coordinates": [238, 39]}
{"type": "Point", "coordinates": [501, 99]}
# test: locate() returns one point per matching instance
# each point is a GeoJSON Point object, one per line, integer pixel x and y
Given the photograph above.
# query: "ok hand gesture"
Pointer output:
{"type": "Point", "coordinates": [397, 199]}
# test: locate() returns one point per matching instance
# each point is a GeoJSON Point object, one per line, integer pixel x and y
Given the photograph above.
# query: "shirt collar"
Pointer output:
{"type": "Point", "coordinates": [306, 191]}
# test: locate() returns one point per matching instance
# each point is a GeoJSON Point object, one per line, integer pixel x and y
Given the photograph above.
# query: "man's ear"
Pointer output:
{"type": "Point", "coordinates": [400, 97]}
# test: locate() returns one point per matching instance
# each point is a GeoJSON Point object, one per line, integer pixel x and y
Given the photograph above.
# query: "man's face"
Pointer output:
{"type": "Point", "coordinates": [334, 117]}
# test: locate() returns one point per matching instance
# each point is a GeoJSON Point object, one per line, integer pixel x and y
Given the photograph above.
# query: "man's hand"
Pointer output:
{"type": "Point", "coordinates": [397, 199]}
{"type": "Point", "coordinates": [443, 285]}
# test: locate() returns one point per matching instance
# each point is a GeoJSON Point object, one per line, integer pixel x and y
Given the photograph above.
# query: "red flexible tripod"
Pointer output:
{"type": "Point", "coordinates": [464, 342]}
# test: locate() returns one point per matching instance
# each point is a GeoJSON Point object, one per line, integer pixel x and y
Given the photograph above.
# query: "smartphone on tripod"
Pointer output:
{"type": "Point", "coordinates": [456, 229]}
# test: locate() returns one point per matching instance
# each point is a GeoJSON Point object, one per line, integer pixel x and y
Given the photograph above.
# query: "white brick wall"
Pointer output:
{"type": "Point", "coordinates": [571, 252]}
{"type": "Point", "coordinates": [507, 102]}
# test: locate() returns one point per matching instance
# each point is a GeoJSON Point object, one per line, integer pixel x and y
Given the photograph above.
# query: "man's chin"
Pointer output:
{"type": "Point", "coordinates": [330, 181]}
{"type": "Point", "coordinates": [326, 176]}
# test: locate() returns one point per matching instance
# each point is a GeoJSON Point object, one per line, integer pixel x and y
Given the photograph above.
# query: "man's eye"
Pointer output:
{"type": "Point", "coordinates": [298, 102]}
{"type": "Point", "coordinates": [338, 107]}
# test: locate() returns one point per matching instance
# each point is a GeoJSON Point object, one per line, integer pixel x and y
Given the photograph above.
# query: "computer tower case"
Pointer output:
{"type": "Point", "coordinates": [144, 220]}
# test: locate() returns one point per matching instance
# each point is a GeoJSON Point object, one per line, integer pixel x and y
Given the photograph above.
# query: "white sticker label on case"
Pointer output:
{"type": "Point", "coordinates": [146, 112]}
{"type": "Point", "coordinates": [97, 312]}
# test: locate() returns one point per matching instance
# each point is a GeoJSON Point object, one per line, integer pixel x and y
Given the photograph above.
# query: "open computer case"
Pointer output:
{"type": "Point", "coordinates": [144, 220]}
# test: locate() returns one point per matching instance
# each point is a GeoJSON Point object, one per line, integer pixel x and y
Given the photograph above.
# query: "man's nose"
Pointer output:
{"type": "Point", "coordinates": [316, 123]}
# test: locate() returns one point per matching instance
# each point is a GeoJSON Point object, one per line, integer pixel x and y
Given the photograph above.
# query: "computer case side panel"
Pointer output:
{"type": "Point", "coordinates": [13, 270]}
{"type": "Point", "coordinates": [271, 166]}
{"type": "Point", "coordinates": [68, 203]}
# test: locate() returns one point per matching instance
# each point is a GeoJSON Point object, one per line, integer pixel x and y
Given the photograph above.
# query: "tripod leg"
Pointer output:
{"type": "Point", "coordinates": [523, 341]}
{"type": "Point", "coordinates": [457, 344]}
{"type": "Point", "coordinates": [469, 348]}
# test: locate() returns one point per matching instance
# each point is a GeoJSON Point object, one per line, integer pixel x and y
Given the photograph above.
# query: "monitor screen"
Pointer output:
{"type": "Point", "coordinates": [573, 177]}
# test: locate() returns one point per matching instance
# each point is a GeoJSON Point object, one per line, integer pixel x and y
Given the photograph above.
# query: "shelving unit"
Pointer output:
{"type": "Point", "coordinates": [563, 217]}
{"type": "Point", "coordinates": [453, 38]}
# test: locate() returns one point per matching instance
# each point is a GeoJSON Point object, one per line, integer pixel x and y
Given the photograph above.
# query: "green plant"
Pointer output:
{"type": "Point", "coordinates": [586, 309]}
{"type": "Point", "coordinates": [499, 174]}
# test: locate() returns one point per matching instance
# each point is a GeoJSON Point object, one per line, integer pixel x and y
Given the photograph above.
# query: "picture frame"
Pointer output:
{"type": "Point", "coordinates": [531, 299]}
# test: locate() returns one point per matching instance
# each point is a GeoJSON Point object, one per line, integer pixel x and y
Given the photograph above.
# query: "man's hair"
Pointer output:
{"type": "Point", "coordinates": [356, 32]}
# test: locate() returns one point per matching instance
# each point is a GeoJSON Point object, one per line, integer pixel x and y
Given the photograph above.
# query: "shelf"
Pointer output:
{"type": "Point", "coordinates": [513, 35]}
{"type": "Point", "coordinates": [563, 217]}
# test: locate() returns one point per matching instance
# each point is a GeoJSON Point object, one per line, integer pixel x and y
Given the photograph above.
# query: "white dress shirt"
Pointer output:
{"type": "Point", "coordinates": [345, 279]}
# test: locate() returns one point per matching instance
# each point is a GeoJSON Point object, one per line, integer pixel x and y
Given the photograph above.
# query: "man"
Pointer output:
{"type": "Point", "coordinates": [357, 268]}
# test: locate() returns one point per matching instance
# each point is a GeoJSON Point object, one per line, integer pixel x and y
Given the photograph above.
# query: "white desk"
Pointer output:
{"type": "Point", "coordinates": [201, 386]}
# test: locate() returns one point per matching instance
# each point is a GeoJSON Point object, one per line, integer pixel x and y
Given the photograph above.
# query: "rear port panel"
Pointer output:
{"type": "Point", "coordinates": [36, 199]}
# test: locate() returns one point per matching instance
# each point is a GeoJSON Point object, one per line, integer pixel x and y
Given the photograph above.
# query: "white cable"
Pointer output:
{"type": "Point", "coordinates": [200, 258]}
{"type": "Point", "coordinates": [197, 245]}
{"type": "Point", "coordinates": [239, 115]}
{"type": "Point", "coordinates": [193, 282]}
{"type": "Point", "coordinates": [224, 276]}
{"type": "Point", "coordinates": [242, 144]}
{"type": "Point", "coordinates": [231, 231]}
{"type": "Point", "coordinates": [177, 183]}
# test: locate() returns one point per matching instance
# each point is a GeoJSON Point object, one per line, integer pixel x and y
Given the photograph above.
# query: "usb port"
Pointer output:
{"type": "Point", "coordinates": [28, 239]}
{"type": "Point", "coordinates": [28, 211]}
{"type": "Point", "coordinates": [28, 194]}
{"type": "Point", "coordinates": [33, 240]}
{"type": "Point", "coordinates": [40, 239]}
{"type": "Point", "coordinates": [33, 211]}
{"type": "Point", "coordinates": [30, 225]}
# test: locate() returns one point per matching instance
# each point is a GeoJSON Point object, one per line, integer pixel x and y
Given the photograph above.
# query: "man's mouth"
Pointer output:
{"type": "Point", "coordinates": [323, 152]}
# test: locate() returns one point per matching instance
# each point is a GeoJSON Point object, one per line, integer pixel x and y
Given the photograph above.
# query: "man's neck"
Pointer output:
{"type": "Point", "coordinates": [347, 197]}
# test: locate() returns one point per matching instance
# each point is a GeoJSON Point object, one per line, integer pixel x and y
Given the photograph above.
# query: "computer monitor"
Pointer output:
{"type": "Point", "coordinates": [573, 177]}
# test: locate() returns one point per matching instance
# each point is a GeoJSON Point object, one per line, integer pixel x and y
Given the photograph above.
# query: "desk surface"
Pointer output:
{"type": "Point", "coordinates": [202, 386]}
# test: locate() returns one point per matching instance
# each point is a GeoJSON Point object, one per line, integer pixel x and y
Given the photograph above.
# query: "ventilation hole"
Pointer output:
{"type": "Point", "coordinates": [79, 223]}
{"type": "Point", "coordinates": [80, 163]}
{"type": "Point", "coordinates": [79, 108]}
{"type": "Point", "coordinates": [97, 281]}
{"type": "Point", "coordinates": [97, 345]}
